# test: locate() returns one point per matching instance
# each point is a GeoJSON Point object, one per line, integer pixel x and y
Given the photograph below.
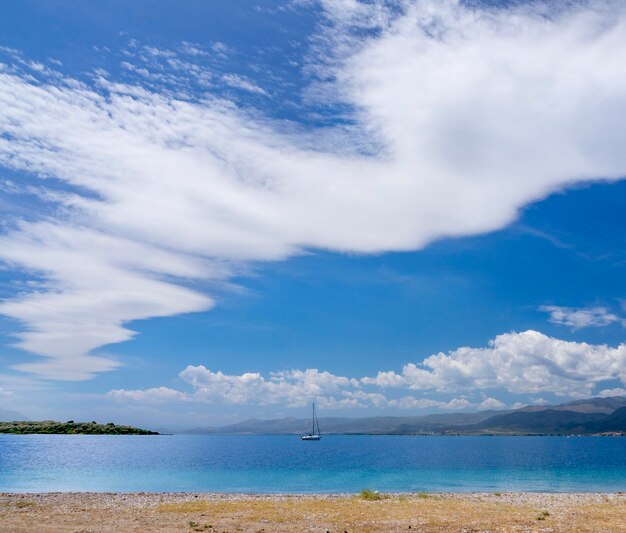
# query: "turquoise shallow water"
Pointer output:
{"type": "Point", "coordinates": [334, 464]}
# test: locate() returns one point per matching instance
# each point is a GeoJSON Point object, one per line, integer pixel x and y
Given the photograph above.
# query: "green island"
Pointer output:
{"type": "Point", "coordinates": [70, 428]}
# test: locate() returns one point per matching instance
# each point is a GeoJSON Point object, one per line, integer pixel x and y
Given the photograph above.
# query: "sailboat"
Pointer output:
{"type": "Point", "coordinates": [314, 434]}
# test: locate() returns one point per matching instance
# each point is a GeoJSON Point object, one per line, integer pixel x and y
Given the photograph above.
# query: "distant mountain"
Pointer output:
{"type": "Point", "coordinates": [8, 416]}
{"type": "Point", "coordinates": [613, 423]}
{"type": "Point", "coordinates": [591, 416]}
{"type": "Point", "coordinates": [255, 426]}
{"type": "Point", "coordinates": [548, 421]}
{"type": "Point", "coordinates": [585, 417]}
{"type": "Point", "coordinates": [590, 405]}
{"type": "Point", "coordinates": [378, 425]}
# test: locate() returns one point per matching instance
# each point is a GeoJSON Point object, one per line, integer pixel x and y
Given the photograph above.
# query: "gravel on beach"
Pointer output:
{"type": "Point", "coordinates": [371, 512]}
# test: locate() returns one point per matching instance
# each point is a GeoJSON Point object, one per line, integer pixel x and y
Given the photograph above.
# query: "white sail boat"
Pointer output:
{"type": "Point", "coordinates": [314, 434]}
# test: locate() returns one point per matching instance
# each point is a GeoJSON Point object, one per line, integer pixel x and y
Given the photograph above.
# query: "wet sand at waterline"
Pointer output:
{"type": "Point", "coordinates": [524, 512]}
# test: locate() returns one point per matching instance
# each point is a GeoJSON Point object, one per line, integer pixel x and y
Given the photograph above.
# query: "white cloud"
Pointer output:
{"type": "Point", "coordinates": [457, 404]}
{"type": "Point", "coordinates": [491, 403]}
{"type": "Point", "coordinates": [96, 282]}
{"type": "Point", "coordinates": [606, 393]}
{"type": "Point", "coordinates": [242, 82]}
{"type": "Point", "coordinates": [411, 402]}
{"type": "Point", "coordinates": [5, 393]}
{"type": "Point", "coordinates": [519, 363]}
{"type": "Point", "coordinates": [525, 363]}
{"type": "Point", "coordinates": [294, 387]}
{"type": "Point", "coordinates": [154, 395]}
{"type": "Point", "coordinates": [468, 113]}
{"type": "Point", "coordinates": [581, 317]}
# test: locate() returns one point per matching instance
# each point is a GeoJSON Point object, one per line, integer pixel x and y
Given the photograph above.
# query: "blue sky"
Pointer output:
{"type": "Point", "coordinates": [211, 211]}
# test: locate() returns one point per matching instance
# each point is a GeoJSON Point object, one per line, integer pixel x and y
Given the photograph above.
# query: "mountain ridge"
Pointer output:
{"type": "Point", "coordinates": [592, 416]}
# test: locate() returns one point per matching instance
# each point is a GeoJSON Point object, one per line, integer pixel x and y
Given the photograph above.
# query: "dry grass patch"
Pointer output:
{"type": "Point", "coordinates": [367, 494]}
{"type": "Point", "coordinates": [23, 504]}
{"type": "Point", "coordinates": [193, 506]}
{"type": "Point", "coordinates": [436, 513]}
{"type": "Point", "coordinates": [421, 512]}
{"type": "Point", "coordinates": [604, 516]}
{"type": "Point", "coordinates": [350, 513]}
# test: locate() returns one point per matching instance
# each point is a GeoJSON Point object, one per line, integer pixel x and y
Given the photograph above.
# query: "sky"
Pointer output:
{"type": "Point", "coordinates": [211, 211]}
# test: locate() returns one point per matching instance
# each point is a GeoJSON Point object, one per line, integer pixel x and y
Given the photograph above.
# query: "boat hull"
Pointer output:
{"type": "Point", "coordinates": [310, 437]}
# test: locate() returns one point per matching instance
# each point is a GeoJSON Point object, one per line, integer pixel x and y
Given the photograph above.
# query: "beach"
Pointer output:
{"type": "Point", "coordinates": [371, 512]}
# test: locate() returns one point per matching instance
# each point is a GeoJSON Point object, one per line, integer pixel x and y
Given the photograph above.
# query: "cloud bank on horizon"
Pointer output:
{"type": "Point", "coordinates": [459, 116]}
{"type": "Point", "coordinates": [519, 363]}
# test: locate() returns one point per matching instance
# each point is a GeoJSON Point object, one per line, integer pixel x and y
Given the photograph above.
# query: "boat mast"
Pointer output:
{"type": "Point", "coordinates": [315, 421]}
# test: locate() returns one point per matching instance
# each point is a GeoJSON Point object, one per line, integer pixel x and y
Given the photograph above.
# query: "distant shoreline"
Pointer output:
{"type": "Point", "coordinates": [368, 511]}
{"type": "Point", "coordinates": [566, 435]}
{"type": "Point", "coordinates": [143, 432]}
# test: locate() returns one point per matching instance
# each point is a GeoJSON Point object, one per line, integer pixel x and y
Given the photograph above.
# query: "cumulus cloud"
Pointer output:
{"type": "Point", "coordinates": [461, 115]}
{"type": "Point", "coordinates": [491, 403]}
{"type": "Point", "coordinates": [618, 391]}
{"type": "Point", "coordinates": [525, 363]}
{"type": "Point", "coordinates": [581, 317]}
{"type": "Point", "coordinates": [293, 388]}
{"type": "Point", "coordinates": [519, 363]}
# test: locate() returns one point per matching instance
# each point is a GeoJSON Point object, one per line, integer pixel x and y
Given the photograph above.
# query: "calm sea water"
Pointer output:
{"type": "Point", "coordinates": [334, 464]}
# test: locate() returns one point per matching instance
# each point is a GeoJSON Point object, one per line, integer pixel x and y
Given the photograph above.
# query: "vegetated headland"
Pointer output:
{"type": "Point", "coordinates": [70, 428]}
{"type": "Point", "coordinates": [593, 416]}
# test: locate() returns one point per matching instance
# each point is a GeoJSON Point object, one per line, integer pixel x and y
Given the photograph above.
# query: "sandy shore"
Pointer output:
{"type": "Point", "coordinates": [523, 512]}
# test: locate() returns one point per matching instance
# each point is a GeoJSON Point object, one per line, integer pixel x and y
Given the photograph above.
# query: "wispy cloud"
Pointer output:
{"type": "Point", "coordinates": [242, 82]}
{"type": "Point", "coordinates": [154, 395]}
{"type": "Point", "coordinates": [519, 363]}
{"type": "Point", "coordinates": [581, 317]}
{"type": "Point", "coordinates": [469, 114]}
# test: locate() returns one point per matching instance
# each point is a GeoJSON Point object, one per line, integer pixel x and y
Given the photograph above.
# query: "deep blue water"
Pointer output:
{"type": "Point", "coordinates": [334, 464]}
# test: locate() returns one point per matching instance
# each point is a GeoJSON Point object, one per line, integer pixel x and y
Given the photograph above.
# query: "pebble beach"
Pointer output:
{"type": "Point", "coordinates": [424, 512]}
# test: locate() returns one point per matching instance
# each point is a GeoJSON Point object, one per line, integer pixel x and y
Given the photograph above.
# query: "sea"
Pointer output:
{"type": "Point", "coordinates": [335, 464]}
